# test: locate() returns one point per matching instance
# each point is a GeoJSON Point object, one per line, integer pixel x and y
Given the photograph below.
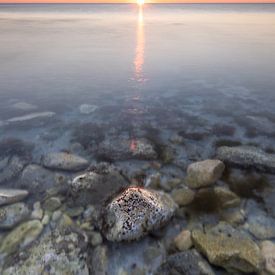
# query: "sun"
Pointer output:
{"type": "Point", "coordinates": [140, 2]}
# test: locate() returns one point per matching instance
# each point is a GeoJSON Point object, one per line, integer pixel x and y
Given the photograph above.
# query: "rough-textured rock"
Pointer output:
{"type": "Point", "coordinates": [65, 161]}
{"type": "Point", "coordinates": [204, 173]}
{"type": "Point", "coordinates": [37, 179]}
{"type": "Point", "coordinates": [13, 214]}
{"type": "Point", "coordinates": [226, 198]}
{"type": "Point", "coordinates": [12, 169]}
{"type": "Point", "coordinates": [20, 237]}
{"type": "Point", "coordinates": [58, 251]}
{"type": "Point", "coordinates": [227, 247]}
{"type": "Point", "coordinates": [183, 196]}
{"type": "Point", "coordinates": [135, 212]}
{"type": "Point", "coordinates": [8, 196]}
{"type": "Point", "coordinates": [183, 240]}
{"type": "Point", "coordinates": [123, 149]}
{"type": "Point", "coordinates": [98, 185]}
{"type": "Point", "coordinates": [268, 254]}
{"type": "Point", "coordinates": [247, 156]}
{"type": "Point", "coordinates": [189, 262]}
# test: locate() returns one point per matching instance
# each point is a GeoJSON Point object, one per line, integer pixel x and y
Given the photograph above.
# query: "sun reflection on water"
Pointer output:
{"type": "Point", "coordinates": [139, 54]}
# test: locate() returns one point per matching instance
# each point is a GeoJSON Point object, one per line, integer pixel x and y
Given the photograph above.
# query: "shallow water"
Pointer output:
{"type": "Point", "coordinates": [202, 72]}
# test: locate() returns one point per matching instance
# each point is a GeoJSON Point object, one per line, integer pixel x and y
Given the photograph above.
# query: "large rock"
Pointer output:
{"type": "Point", "coordinates": [20, 237]}
{"type": "Point", "coordinates": [204, 173]}
{"type": "Point", "coordinates": [227, 247]}
{"type": "Point", "coordinates": [96, 186]}
{"type": "Point", "coordinates": [123, 149]}
{"type": "Point", "coordinates": [189, 262]}
{"type": "Point", "coordinates": [135, 212]}
{"type": "Point", "coordinates": [247, 157]}
{"type": "Point", "coordinates": [65, 161]}
{"type": "Point", "coordinates": [13, 214]}
{"type": "Point", "coordinates": [8, 196]}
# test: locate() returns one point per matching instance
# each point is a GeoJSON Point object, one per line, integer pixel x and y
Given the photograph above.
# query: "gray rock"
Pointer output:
{"type": "Point", "coordinates": [37, 179]}
{"type": "Point", "coordinates": [123, 149]}
{"type": "Point", "coordinates": [8, 196]}
{"type": "Point", "coordinates": [183, 196]}
{"type": "Point", "coordinates": [189, 262]}
{"type": "Point", "coordinates": [20, 237]}
{"type": "Point", "coordinates": [23, 106]}
{"type": "Point", "coordinates": [226, 198]}
{"type": "Point", "coordinates": [13, 214]}
{"type": "Point", "coordinates": [204, 173]}
{"type": "Point", "coordinates": [13, 168]}
{"type": "Point", "coordinates": [247, 156]}
{"type": "Point", "coordinates": [65, 161]}
{"type": "Point", "coordinates": [98, 185]}
{"type": "Point", "coordinates": [99, 265]}
{"type": "Point", "coordinates": [52, 204]}
{"type": "Point", "coordinates": [228, 247]}
{"type": "Point", "coordinates": [135, 212]}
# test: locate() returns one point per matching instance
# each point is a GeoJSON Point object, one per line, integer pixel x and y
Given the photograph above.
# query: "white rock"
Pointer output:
{"type": "Point", "coordinates": [87, 108]}
{"type": "Point", "coordinates": [8, 196]}
{"type": "Point", "coordinates": [30, 117]}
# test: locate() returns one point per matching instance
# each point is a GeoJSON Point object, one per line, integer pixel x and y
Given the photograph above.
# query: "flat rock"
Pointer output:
{"type": "Point", "coordinates": [98, 185]}
{"type": "Point", "coordinates": [65, 161]}
{"type": "Point", "coordinates": [20, 237]}
{"type": "Point", "coordinates": [8, 196]}
{"type": "Point", "coordinates": [123, 149]}
{"type": "Point", "coordinates": [204, 173]}
{"type": "Point", "coordinates": [135, 212]}
{"type": "Point", "coordinates": [87, 108]}
{"type": "Point", "coordinates": [247, 157]}
{"type": "Point", "coordinates": [229, 248]}
{"type": "Point", "coordinates": [268, 254]}
{"type": "Point", "coordinates": [36, 178]}
{"type": "Point", "coordinates": [30, 117]}
{"type": "Point", "coordinates": [189, 262]}
{"type": "Point", "coordinates": [13, 214]}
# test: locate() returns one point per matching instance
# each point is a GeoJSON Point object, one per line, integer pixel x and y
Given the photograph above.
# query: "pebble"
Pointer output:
{"type": "Point", "coordinates": [268, 254]}
{"type": "Point", "coordinates": [8, 196]}
{"type": "Point", "coordinates": [183, 196]}
{"type": "Point", "coordinates": [183, 240]}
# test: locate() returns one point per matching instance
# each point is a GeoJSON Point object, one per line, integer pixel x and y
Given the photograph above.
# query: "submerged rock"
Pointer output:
{"type": "Point", "coordinates": [23, 106]}
{"type": "Point", "coordinates": [122, 149]}
{"type": "Point", "coordinates": [13, 214]}
{"type": "Point", "coordinates": [183, 240]}
{"type": "Point", "coordinates": [99, 257]}
{"type": "Point", "coordinates": [268, 254]}
{"type": "Point", "coordinates": [204, 173]}
{"type": "Point", "coordinates": [65, 161]}
{"type": "Point", "coordinates": [87, 108]}
{"type": "Point", "coordinates": [20, 237]}
{"type": "Point", "coordinates": [98, 185]}
{"type": "Point", "coordinates": [247, 157]}
{"type": "Point", "coordinates": [226, 198]}
{"type": "Point", "coordinates": [8, 196]}
{"type": "Point", "coordinates": [135, 212]}
{"type": "Point", "coordinates": [189, 262]}
{"type": "Point", "coordinates": [30, 117]}
{"type": "Point", "coordinates": [183, 196]}
{"type": "Point", "coordinates": [229, 248]}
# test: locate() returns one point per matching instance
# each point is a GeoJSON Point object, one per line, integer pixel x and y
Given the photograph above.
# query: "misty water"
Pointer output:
{"type": "Point", "coordinates": [186, 78]}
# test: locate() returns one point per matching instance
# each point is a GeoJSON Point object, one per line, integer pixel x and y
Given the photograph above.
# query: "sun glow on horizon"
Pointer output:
{"type": "Point", "coordinates": [140, 2]}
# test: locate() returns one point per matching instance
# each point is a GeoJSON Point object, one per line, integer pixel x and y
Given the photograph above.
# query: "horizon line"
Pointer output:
{"type": "Point", "coordinates": [130, 3]}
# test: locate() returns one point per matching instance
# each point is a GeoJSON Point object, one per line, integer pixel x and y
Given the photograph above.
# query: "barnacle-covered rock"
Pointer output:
{"type": "Point", "coordinates": [135, 212]}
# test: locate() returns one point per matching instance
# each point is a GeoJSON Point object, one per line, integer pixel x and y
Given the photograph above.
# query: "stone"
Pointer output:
{"type": "Point", "coordinates": [183, 196]}
{"type": "Point", "coordinates": [204, 173]}
{"type": "Point", "coordinates": [153, 181]}
{"type": "Point", "coordinates": [13, 214]}
{"type": "Point", "coordinates": [96, 186]}
{"type": "Point", "coordinates": [234, 216]}
{"type": "Point", "coordinates": [95, 238]}
{"type": "Point", "coordinates": [99, 264]}
{"type": "Point", "coordinates": [268, 254]}
{"type": "Point", "coordinates": [37, 179]}
{"type": "Point", "coordinates": [37, 212]}
{"type": "Point", "coordinates": [20, 237]}
{"type": "Point", "coordinates": [52, 204]}
{"type": "Point", "coordinates": [188, 262]}
{"type": "Point", "coordinates": [135, 212]}
{"type": "Point", "coordinates": [75, 211]}
{"type": "Point", "coordinates": [183, 240]}
{"type": "Point", "coordinates": [87, 109]}
{"type": "Point", "coordinates": [65, 161]}
{"type": "Point", "coordinates": [8, 196]}
{"type": "Point", "coordinates": [226, 198]}
{"type": "Point", "coordinates": [12, 170]}
{"type": "Point", "coordinates": [247, 157]}
{"type": "Point", "coordinates": [123, 149]}
{"type": "Point", "coordinates": [228, 247]}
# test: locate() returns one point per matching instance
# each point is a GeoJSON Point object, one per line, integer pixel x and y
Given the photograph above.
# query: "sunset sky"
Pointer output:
{"type": "Point", "coordinates": [133, 1]}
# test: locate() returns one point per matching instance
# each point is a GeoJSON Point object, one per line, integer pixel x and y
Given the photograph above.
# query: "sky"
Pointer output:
{"type": "Point", "coordinates": [133, 1]}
